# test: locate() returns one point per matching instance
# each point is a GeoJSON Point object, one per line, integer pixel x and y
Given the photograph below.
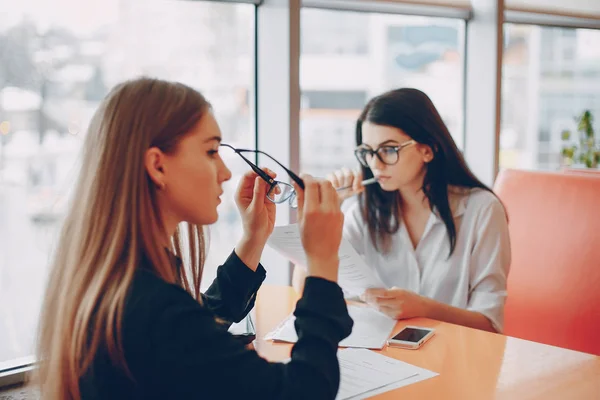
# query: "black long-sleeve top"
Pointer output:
{"type": "Point", "coordinates": [175, 348]}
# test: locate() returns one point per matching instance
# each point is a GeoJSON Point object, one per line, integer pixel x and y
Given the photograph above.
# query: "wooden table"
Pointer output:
{"type": "Point", "coordinates": [472, 364]}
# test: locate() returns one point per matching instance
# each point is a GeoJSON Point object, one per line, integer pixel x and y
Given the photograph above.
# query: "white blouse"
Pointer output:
{"type": "Point", "coordinates": [472, 278]}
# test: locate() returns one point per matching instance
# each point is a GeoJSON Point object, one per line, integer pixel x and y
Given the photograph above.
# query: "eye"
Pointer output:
{"type": "Point", "coordinates": [212, 153]}
{"type": "Point", "coordinates": [387, 150]}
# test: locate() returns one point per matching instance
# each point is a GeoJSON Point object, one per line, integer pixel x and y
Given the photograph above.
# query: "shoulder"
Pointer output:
{"type": "Point", "coordinates": [155, 307]}
{"type": "Point", "coordinates": [150, 298]}
{"type": "Point", "coordinates": [147, 285]}
{"type": "Point", "coordinates": [483, 211]}
{"type": "Point", "coordinates": [152, 307]}
{"type": "Point", "coordinates": [354, 222]}
{"type": "Point", "coordinates": [351, 205]}
{"type": "Point", "coordinates": [481, 201]}
{"type": "Point", "coordinates": [352, 209]}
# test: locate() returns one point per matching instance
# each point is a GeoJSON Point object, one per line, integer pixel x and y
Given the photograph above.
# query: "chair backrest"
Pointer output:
{"type": "Point", "coordinates": [554, 281]}
{"type": "Point", "coordinates": [582, 171]}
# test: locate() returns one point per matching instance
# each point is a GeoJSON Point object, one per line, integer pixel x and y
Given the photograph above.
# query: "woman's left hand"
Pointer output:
{"type": "Point", "coordinates": [257, 212]}
{"type": "Point", "coordinates": [397, 303]}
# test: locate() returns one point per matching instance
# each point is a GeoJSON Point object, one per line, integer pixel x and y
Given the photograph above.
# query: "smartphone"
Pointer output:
{"type": "Point", "coordinates": [411, 337]}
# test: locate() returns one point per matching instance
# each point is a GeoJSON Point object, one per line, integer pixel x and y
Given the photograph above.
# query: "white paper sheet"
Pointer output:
{"type": "Point", "coordinates": [354, 275]}
{"type": "Point", "coordinates": [349, 369]}
{"type": "Point", "coordinates": [421, 376]}
{"type": "Point", "coordinates": [371, 329]}
{"type": "Point", "coordinates": [365, 373]}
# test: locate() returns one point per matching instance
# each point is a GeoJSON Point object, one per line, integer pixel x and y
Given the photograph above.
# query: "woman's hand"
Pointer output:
{"type": "Point", "coordinates": [344, 178]}
{"type": "Point", "coordinates": [397, 303]}
{"type": "Point", "coordinates": [258, 212]}
{"type": "Point", "coordinates": [403, 304]}
{"type": "Point", "coordinates": [258, 217]}
{"type": "Point", "coordinates": [320, 221]}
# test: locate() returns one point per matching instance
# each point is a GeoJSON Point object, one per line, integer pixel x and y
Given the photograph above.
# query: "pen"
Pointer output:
{"type": "Point", "coordinates": [364, 183]}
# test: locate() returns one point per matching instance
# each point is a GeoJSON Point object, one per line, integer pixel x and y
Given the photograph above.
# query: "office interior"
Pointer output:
{"type": "Point", "coordinates": [289, 77]}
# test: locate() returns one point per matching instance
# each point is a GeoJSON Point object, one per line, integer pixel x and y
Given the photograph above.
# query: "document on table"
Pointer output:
{"type": "Point", "coordinates": [354, 275]}
{"type": "Point", "coordinates": [371, 329]}
{"type": "Point", "coordinates": [365, 373]}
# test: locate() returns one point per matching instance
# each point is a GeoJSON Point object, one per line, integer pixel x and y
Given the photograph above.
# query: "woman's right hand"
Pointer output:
{"type": "Point", "coordinates": [320, 221]}
{"type": "Point", "coordinates": [346, 178]}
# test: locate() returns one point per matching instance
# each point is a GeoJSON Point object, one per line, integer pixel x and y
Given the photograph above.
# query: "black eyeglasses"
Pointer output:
{"type": "Point", "coordinates": [279, 192]}
{"type": "Point", "coordinates": [388, 155]}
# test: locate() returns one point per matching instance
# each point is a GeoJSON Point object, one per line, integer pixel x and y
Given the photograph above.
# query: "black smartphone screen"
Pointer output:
{"type": "Point", "coordinates": [411, 335]}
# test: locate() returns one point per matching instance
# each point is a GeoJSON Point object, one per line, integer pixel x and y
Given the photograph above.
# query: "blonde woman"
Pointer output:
{"type": "Point", "coordinates": [124, 318]}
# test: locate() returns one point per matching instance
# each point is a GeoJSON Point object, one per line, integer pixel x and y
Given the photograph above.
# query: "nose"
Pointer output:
{"type": "Point", "coordinates": [224, 173]}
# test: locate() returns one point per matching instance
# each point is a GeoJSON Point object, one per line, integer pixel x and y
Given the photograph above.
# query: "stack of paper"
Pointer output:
{"type": "Point", "coordinates": [365, 373]}
{"type": "Point", "coordinates": [354, 275]}
{"type": "Point", "coordinates": [371, 329]}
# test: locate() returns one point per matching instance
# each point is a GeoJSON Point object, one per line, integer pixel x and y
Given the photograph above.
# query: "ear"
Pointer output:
{"type": "Point", "coordinates": [426, 153]}
{"type": "Point", "coordinates": [154, 162]}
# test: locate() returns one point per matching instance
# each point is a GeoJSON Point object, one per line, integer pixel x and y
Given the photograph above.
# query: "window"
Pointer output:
{"type": "Point", "coordinates": [347, 33]}
{"type": "Point", "coordinates": [340, 72]}
{"type": "Point", "coordinates": [550, 76]}
{"type": "Point", "coordinates": [57, 61]}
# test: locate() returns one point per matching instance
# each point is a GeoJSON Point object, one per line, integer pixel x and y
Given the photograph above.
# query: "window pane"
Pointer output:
{"type": "Point", "coordinates": [549, 77]}
{"type": "Point", "coordinates": [349, 57]}
{"type": "Point", "coordinates": [57, 61]}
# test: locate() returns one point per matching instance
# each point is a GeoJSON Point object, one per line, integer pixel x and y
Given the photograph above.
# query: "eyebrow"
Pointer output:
{"type": "Point", "coordinates": [389, 141]}
{"type": "Point", "coordinates": [217, 138]}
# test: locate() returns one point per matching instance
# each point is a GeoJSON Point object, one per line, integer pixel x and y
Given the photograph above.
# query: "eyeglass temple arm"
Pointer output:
{"type": "Point", "coordinates": [292, 175]}
{"type": "Point", "coordinates": [259, 171]}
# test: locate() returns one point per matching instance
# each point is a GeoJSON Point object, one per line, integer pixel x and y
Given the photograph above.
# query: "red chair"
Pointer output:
{"type": "Point", "coordinates": [554, 281]}
{"type": "Point", "coordinates": [582, 171]}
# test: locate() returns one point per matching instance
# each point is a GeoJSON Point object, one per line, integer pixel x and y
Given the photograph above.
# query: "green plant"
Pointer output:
{"type": "Point", "coordinates": [585, 150]}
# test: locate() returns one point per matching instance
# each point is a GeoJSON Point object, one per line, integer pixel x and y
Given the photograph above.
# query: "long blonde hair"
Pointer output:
{"type": "Point", "coordinates": [113, 223]}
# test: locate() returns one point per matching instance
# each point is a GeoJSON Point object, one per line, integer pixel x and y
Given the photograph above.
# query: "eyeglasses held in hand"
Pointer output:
{"type": "Point", "coordinates": [278, 192]}
{"type": "Point", "coordinates": [388, 155]}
